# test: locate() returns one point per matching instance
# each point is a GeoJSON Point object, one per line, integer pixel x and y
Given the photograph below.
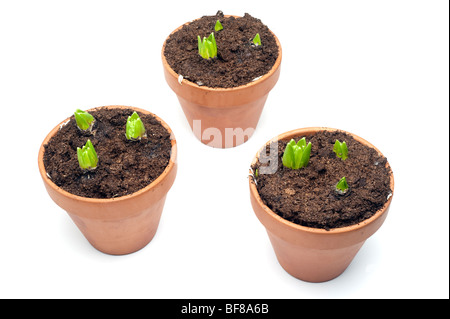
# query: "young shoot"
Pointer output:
{"type": "Point", "coordinates": [135, 129]}
{"type": "Point", "coordinates": [85, 121]}
{"type": "Point", "coordinates": [341, 150]}
{"type": "Point", "coordinates": [208, 47]}
{"type": "Point", "coordinates": [296, 155]}
{"type": "Point", "coordinates": [87, 157]}
{"type": "Point", "coordinates": [257, 40]}
{"type": "Point", "coordinates": [218, 26]}
{"type": "Point", "coordinates": [342, 186]}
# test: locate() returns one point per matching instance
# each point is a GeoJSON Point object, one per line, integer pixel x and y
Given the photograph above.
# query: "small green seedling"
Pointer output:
{"type": "Point", "coordinates": [85, 121]}
{"type": "Point", "coordinates": [296, 155]}
{"type": "Point", "coordinates": [208, 47]}
{"type": "Point", "coordinates": [257, 40]}
{"type": "Point", "coordinates": [341, 150]}
{"type": "Point", "coordinates": [135, 129]}
{"type": "Point", "coordinates": [218, 26]}
{"type": "Point", "coordinates": [87, 157]}
{"type": "Point", "coordinates": [342, 186]}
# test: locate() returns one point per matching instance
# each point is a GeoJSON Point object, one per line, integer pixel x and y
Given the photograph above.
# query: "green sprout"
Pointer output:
{"type": "Point", "coordinates": [208, 47]}
{"type": "Point", "coordinates": [257, 40]}
{"type": "Point", "coordinates": [341, 150]}
{"type": "Point", "coordinates": [342, 186]}
{"type": "Point", "coordinates": [135, 129]}
{"type": "Point", "coordinates": [296, 155]}
{"type": "Point", "coordinates": [85, 121]}
{"type": "Point", "coordinates": [87, 157]}
{"type": "Point", "coordinates": [218, 26]}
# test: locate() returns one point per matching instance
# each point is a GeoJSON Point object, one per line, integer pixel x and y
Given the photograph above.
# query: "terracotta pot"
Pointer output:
{"type": "Point", "coordinates": [313, 254]}
{"type": "Point", "coordinates": [119, 225]}
{"type": "Point", "coordinates": [223, 117]}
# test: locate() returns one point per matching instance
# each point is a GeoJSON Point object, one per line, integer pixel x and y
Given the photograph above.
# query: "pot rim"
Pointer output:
{"type": "Point", "coordinates": [218, 89]}
{"type": "Point", "coordinates": [333, 231]}
{"type": "Point", "coordinates": [170, 166]}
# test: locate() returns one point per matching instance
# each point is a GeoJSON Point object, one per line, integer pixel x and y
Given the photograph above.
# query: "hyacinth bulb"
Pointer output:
{"type": "Point", "coordinates": [341, 150]}
{"type": "Point", "coordinates": [208, 47]}
{"type": "Point", "coordinates": [87, 157]}
{"type": "Point", "coordinates": [296, 155]}
{"type": "Point", "coordinates": [85, 121]}
{"type": "Point", "coordinates": [135, 129]}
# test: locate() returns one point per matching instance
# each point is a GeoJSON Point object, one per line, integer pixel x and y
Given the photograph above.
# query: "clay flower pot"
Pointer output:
{"type": "Point", "coordinates": [120, 225]}
{"type": "Point", "coordinates": [223, 117]}
{"type": "Point", "coordinates": [313, 254]}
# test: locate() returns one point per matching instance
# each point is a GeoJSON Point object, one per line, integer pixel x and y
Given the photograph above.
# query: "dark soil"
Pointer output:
{"type": "Point", "coordinates": [307, 196]}
{"type": "Point", "coordinates": [238, 62]}
{"type": "Point", "coordinates": [124, 166]}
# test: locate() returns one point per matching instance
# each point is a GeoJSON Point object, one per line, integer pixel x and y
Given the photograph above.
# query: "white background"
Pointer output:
{"type": "Point", "coordinates": [378, 69]}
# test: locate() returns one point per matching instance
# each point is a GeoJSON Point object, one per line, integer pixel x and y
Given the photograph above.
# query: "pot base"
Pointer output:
{"type": "Point", "coordinates": [313, 265]}
{"type": "Point", "coordinates": [123, 236]}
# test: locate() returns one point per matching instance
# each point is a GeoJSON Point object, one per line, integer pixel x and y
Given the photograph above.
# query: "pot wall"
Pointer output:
{"type": "Point", "coordinates": [124, 235]}
{"type": "Point", "coordinates": [223, 127]}
{"type": "Point", "coordinates": [120, 225]}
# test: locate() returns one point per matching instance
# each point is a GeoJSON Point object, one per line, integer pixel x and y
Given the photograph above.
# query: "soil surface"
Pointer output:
{"type": "Point", "coordinates": [238, 61]}
{"type": "Point", "coordinates": [124, 167]}
{"type": "Point", "coordinates": [307, 196]}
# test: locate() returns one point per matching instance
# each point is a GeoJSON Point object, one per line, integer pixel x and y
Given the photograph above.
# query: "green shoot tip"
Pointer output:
{"type": "Point", "coordinates": [218, 26]}
{"type": "Point", "coordinates": [257, 40]}
{"type": "Point", "coordinates": [296, 155]}
{"type": "Point", "coordinates": [87, 157]}
{"type": "Point", "coordinates": [85, 121]}
{"type": "Point", "coordinates": [341, 150]}
{"type": "Point", "coordinates": [135, 129]}
{"type": "Point", "coordinates": [208, 47]}
{"type": "Point", "coordinates": [342, 186]}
